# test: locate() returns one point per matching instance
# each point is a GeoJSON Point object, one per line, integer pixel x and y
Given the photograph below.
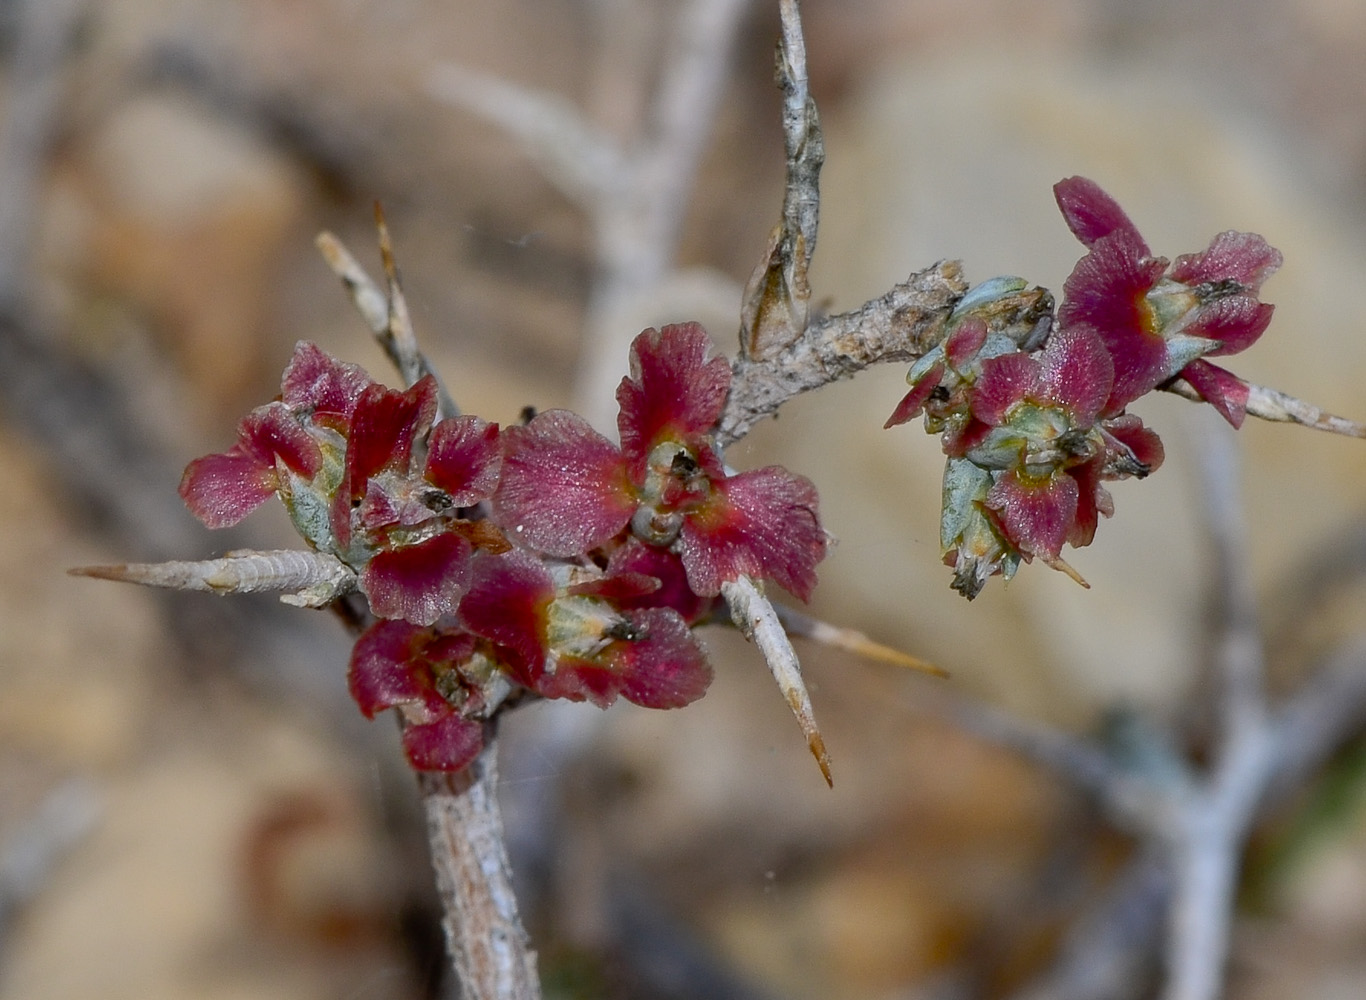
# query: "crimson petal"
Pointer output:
{"type": "Point", "coordinates": [1219, 387]}
{"type": "Point", "coordinates": [674, 392]}
{"type": "Point", "coordinates": [1036, 515]}
{"type": "Point", "coordinates": [448, 744]}
{"type": "Point", "coordinates": [418, 583]}
{"type": "Point", "coordinates": [222, 489]}
{"type": "Point", "coordinates": [914, 401]}
{"type": "Point", "coordinates": [317, 383]}
{"type": "Point", "coordinates": [1242, 257]}
{"type": "Point", "coordinates": [384, 426]}
{"type": "Point", "coordinates": [1005, 380]}
{"type": "Point", "coordinates": [507, 602]}
{"type": "Point", "coordinates": [563, 489]}
{"type": "Point", "coordinates": [1092, 214]}
{"type": "Point", "coordinates": [464, 459]}
{"type": "Point", "coordinates": [1076, 372]}
{"type": "Point", "coordinates": [761, 523]}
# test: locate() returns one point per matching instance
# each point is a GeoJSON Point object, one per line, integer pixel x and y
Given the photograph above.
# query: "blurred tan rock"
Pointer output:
{"type": "Point", "coordinates": [184, 216]}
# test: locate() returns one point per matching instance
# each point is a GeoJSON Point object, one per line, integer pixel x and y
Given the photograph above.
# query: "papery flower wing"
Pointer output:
{"type": "Point", "coordinates": [1004, 381]}
{"type": "Point", "coordinates": [449, 744]}
{"type": "Point", "coordinates": [224, 488]}
{"type": "Point", "coordinates": [1237, 321]}
{"type": "Point", "coordinates": [1231, 256]}
{"type": "Point", "coordinates": [317, 383]}
{"type": "Point", "coordinates": [760, 523]}
{"type": "Point", "coordinates": [563, 488]}
{"type": "Point", "coordinates": [388, 669]}
{"type": "Point", "coordinates": [666, 568]}
{"type": "Point", "coordinates": [665, 667]}
{"type": "Point", "coordinates": [384, 427]}
{"type": "Point", "coordinates": [967, 339]}
{"type": "Point", "coordinates": [675, 392]}
{"type": "Point", "coordinates": [1093, 500]}
{"type": "Point", "coordinates": [1138, 441]}
{"type": "Point", "coordinates": [418, 583]}
{"type": "Point", "coordinates": [1076, 372]}
{"type": "Point", "coordinates": [1219, 387]}
{"type": "Point", "coordinates": [1092, 214]}
{"type": "Point", "coordinates": [507, 604]}
{"type": "Point", "coordinates": [464, 458]}
{"type": "Point", "coordinates": [914, 401]}
{"type": "Point", "coordinates": [1036, 515]}
{"type": "Point", "coordinates": [1107, 291]}
{"type": "Point", "coordinates": [272, 432]}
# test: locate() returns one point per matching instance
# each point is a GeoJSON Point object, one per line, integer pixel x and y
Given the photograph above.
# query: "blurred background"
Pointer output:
{"type": "Point", "coordinates": [189, 804]}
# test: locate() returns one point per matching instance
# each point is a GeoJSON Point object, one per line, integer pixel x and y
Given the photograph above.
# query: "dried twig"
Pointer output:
{"type": "Point", "coordinates": [775, 309]}
{"type": "Point", "coordinates": [898, 326]}
{"type": "Point", "coordinates": [1276, 406]}
{"type": "Point", "coordinates": [384, 311]}
{"type": "Point", "coordinates": [488, 946]}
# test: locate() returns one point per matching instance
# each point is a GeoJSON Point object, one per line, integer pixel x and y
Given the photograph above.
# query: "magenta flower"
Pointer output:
{"type": "Point", "coordinates": [573, 639]}
{"type": "Point", "coordinates": [567, 490]}
{"type": "Point", "coordinates": [435, 678]}
{"type": "Point", "coordinates": [1158, 320]}
{"type": "Point", "coordinates": [397, 514]}
{"type": "Point", "coordinates": [366, 477]}
{"type": "Point", "coordinates": [290, 435]}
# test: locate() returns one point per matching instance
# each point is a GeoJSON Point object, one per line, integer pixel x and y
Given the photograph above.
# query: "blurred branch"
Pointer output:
{"type": "Point", "coordinates": [634, 196]}
{"type": "Point", "coordinates": [1193, 825]}
{"type": "Point", "coordinates": [44, 39]}
{"type": "Point", "coordinates": [60, 822]}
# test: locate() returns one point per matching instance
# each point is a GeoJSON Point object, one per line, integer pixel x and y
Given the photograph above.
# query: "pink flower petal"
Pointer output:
{"type": "Point", "coordinates": [222, 489]}
{"type": "Point", "coordinates": [448, 744]}
{"type": "Point", "coordinates": [317, 383]}
{"type": "Point", "coordinates": [1231, 256]}
{"type": "Point", "coordinates": [388, 669]}
{"type": "Point", "coordinates": [384, 427]}
{"type": "Point", "coordinates": [762, 523]}
{"type": "Point", "coordinates": [1107, 291]}
{"type": "Point", "coordinates": [663, 668]}
{"type": "Point", "coordinates": [1223, 390]}
{"type": "Point", "coordinates": [1237, 321]}
{"type": "Point", "coordinates": [1036, 516]}
{"type": "Point", "coordinates": [1141, 442]}
{"type": "Point", "coordinates": [1076, 373]}
{"type": "Point", "coordinates": [507, 604]}
{"type": "Point", "coordinates": [1005, 380]}
{"type": "Point", "coordinates": [272, 432]}
{"type": "Point", "coordinates": [914, 401]}
{"type": "Point", "coordinates": [967, 339]}
{"type": "Point", "coordinates": [673, 393]}
{"type": "Point", "coordinates": [1092, 501]}
{"type": "Point", "coordinates": [563, 489]}
{"type": "Point", "coordinates": [464, 458]}
{"type": "Point", "coordinates": [418, 583]}
{"type": "Point", "coordinates": [666, 569]}
{"type": "Point", "coordinates": [1092, 214]}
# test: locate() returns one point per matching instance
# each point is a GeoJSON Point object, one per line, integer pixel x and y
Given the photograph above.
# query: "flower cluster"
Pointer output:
{"type": "Point", "coordinates": [541, 557]}
{"type": "Point", "coordinates": [1033, 426]}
